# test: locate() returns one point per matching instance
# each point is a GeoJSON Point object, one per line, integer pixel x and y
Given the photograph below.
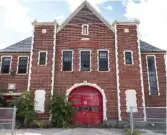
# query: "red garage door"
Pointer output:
{"type": "Point", "coordinates": [87, 102]}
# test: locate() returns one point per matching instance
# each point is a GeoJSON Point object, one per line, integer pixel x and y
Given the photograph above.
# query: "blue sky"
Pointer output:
{"type": "Point", "coordinates": [16, 16]}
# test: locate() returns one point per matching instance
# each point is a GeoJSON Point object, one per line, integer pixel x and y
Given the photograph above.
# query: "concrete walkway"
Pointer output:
{"type": "Point", "coordinates": [75, 131]}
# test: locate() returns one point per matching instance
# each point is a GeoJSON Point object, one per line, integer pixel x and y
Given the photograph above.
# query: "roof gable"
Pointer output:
{"type": "Point", "coordinates": [85, 4]}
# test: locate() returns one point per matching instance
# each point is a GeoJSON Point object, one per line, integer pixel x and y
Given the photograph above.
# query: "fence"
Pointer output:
{"type": "Point", "coordinates": [155, 118]}
{"type": "Point", "coordinates": [7, 120]}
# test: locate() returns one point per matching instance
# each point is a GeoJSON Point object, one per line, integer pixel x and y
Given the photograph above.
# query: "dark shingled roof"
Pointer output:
{"type": "Point", "coordinates": [25, 46]}
{"type": "Point", "coordinates": [22, 46]}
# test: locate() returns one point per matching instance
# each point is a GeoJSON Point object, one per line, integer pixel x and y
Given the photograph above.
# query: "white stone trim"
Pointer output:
{"type": "Point", "coordinates": [141, 74]}
{"type": "Point", "coordinates": [53, 61]}
{"type": "Point", "coordinates": [117, 75]}
{"type": "Point", "coordinates": [11, 57]}
{"type": "Point", "coordinates": [31, 59]}
{"type": "Point", "coordinates": [108, 59]}
{"type": "Point", "coordinates": [18, 60]}
{"type": "Point", "coordinates": [90, 59]}
{"type": "Point", "coordinates": [35, 22]}
{"type": "Point", "coordinates": [46, 59]}
{"type": "Point", "coordinates": [85, 3]}
{"type": "Point", "coordinates": [11, 94]}
{"type": "Point", "coordinates": [85, 83]}
{"type": "Point", "coordinates": [87, 27]}
{"type": "Point", "coordinates": [131, 57]}
{"type": "Point", "coordinates": [64, 50]}
{"type": "Point", "coordinates": [156, 74]}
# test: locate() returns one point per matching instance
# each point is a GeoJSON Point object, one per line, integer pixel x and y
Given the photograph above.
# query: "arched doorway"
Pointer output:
{"type": "Point", "coordinates": [89, 103]}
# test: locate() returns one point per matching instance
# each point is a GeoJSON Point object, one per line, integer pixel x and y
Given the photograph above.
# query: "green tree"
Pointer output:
{"type": "Point", "coordinates": [61, 110]}
{"type": "Point", "coordinates": [25, 107]}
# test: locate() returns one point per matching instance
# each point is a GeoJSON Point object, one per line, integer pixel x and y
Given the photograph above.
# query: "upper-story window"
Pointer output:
{"type": "Point", "coordinates": [42, 58]}
{"type": "Point", "coordinates": [103, 64]}
{"type": "Point", "coordinates": [152, 75]}
{"type": "Point", "coordinates": [84, 60]}
{"type": "Point", "coordinates": [5, 64]}
{"type": "Point", "coordinates": [22, 65]}
{"type": "Point", "coordinates": [67, 61]}
{"type": "Point", "coordinates": [128, 57]}
{"type": "Point", "coordinates": [85, 29]}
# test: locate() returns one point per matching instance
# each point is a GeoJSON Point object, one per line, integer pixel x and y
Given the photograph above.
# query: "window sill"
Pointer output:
{"type": "Point", "coordinates": [5, 74]}
{"type": "Point", "coordinates": [154, 95]}
{"type": "Point", "coordinates": [22, 74]}
{"type": "Point", "coordinates": [129, 64]}
{"type": "Point", "coordinates": [103, 71]}
{"type": "Point", "coordinates": [66, 71]}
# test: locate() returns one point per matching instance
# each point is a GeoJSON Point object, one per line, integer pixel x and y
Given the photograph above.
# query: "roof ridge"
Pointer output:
{"type": "Point", "coordinates": [85, 3]}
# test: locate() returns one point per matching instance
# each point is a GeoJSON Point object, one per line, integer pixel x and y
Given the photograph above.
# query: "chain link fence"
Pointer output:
{"type": "Point", "coordinates": [7, 120]}
{"type": "Point", "coordinates": [155, 118]}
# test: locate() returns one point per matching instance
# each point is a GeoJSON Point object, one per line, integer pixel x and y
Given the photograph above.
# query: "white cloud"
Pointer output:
{"type": "Point", "coordinates": [109, 7]}
{"type": "Point", "coordinates": [153, 20]}
{"type": "Point", "coordinates": [2, 46]}
{"type": "Point", "coordinates": [75, 3]}
{"type": "Point", "coordinates": [59, 18]}
{"type": "Point", "coordinates": [15, 16]}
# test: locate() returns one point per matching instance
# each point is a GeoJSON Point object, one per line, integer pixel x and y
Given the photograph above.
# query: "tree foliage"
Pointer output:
{"type": "Point", "coordinates": [25, 107]}
{"type": "Point", "coordinates": [61, 110]}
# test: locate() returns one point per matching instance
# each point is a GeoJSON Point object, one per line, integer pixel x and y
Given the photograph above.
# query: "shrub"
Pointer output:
{"type": "Point", "coordinates": [3, 102]}
{"type": "Point", "coordinates": [61, 110]}
{"type": "Point", "coordinates": [25, 107]}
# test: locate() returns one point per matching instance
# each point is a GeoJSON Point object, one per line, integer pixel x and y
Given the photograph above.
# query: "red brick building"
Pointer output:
{"type": "Point", "coordinates": [103, 68]}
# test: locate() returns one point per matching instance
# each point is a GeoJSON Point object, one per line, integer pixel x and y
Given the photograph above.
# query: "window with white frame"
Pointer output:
{"type": "Point", "coordinates": [42, 58]}
{"type": "Point", "coordinates": [103, 61]}
{"type": "Point", "coordinates": [152, 75]}
{"type": "Point", "coordinates": [5, 65]}
{"type": "Point", "coordinates": [128, 57]}
{"type": "Point", "coordinates": [85, 29]}
{"type": "Point", "coordinates": [22, 65]}
{"type": "Point", "coordinates": [84, 60]}
{"type": "Point", "coordinates": [67, 61]}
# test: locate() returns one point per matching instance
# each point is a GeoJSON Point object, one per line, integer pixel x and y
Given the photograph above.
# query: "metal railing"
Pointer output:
{"type": "Point", "coordinates": [7, 120]}
{"type": "Point", "coordinates": [154, 116]}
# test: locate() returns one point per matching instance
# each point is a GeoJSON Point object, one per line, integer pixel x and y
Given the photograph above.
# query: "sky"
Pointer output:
{"type": "Point", "coordinates": [16, 16]}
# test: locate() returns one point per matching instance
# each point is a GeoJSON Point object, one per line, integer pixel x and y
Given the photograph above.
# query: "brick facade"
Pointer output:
{"type": "Point", "coordinates": [20, 80]}
{"type": "Point", "coordinates": [100, 37]}
{"type": "Point", "coordinates": [157, 100]}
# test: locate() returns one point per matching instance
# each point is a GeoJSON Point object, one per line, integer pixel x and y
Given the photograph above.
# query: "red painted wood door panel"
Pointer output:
{"type": "Point", "coordinates": [87, 102]}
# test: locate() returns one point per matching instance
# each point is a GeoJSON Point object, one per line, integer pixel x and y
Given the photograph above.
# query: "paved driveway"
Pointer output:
{"type": "Point", "coordinates": [75, 131]}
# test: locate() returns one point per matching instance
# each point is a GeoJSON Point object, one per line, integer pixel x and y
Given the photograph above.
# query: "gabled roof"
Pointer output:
{"type": "Point", "coordinates": [145, 47]}
{"type": "Point", "coordinates": [25, 46]}
{"type": "Point", "coordinates": [22, 46]}
{"type": "Point", "coordinates": [85, 3]}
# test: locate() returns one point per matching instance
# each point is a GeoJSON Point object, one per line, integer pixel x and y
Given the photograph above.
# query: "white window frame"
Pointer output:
{"type": "Point", "coordinates": [149, 77]}
{"type": "Point", "coordinates": [98, 59]}
{"type": "Point", "coordinates": [131, 57]}
{"type": "Point", "coordinates": [45, 59]}
{"type": "Point", "coordinates": [10, 64]}
{"type": "Point", "coordinates": [87, 26]}
{"type": "Point", "coordinates": [82, 50]}
{"type": "Point", "coordinates": [18, 60]}
{"type": "Point", "coordinates": [65, 50]}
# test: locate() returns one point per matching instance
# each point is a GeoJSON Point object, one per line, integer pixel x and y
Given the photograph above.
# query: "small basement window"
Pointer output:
{"type": "Point", "coordinates": [85, 29]}
{"type": "Point", "coordinates": [42, 58]}
{"type": "Point", "coordinates": [5, 65]}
